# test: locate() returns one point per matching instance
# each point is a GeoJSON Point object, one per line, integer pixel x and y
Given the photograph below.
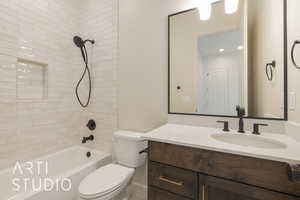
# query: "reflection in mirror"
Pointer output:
{"type": "Point", "coordinates": [220, 73]}
{"type": "Point", "coordinates": [228, 60]}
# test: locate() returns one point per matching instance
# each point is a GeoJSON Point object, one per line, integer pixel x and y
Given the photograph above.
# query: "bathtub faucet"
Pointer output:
{"type": "Point", "coordinates": [85, 139]}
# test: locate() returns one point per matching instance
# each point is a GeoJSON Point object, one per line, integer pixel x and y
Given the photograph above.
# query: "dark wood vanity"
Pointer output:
{"type": "Point", "coordinates": [182, 173]}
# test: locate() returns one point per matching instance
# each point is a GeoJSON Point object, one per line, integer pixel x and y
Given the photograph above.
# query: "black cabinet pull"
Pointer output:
{"type": "Point", "coordinates": [296, 42]}
{"type": "Point", "coordinates": [168, 180]}
{"type": "Point", "coordinates": [203, 192]}
{"type": "Point", "coordinates": [256, 128]}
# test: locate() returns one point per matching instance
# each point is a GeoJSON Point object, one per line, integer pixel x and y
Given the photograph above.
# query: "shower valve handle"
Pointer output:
{"type": "Point", "coordinates": [85, 139]}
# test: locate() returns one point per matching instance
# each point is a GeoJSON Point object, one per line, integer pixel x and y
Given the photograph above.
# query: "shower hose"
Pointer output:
{"type": "Point", "coordinates": [86, 70]}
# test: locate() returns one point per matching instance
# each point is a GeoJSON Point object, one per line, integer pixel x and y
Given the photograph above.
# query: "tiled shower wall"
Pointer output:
{"type": "Point", "coordinates": [42, 30]}
{"type": "Point", "coordinates": [98, 20]}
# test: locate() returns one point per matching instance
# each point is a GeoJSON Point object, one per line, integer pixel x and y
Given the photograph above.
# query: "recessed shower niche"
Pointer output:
{"type": "Point", "coordinates": [31, 80]}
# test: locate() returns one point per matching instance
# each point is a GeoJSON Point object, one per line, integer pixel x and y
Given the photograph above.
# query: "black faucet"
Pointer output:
{"type": "Point", "coordinates": [226, 125]}
{"type": "Point", "coordinates": [85, 139]}
{"type": "Point", "coordinates": [241, 113]}
{"type": "Point", "coordinates": [256, 128]}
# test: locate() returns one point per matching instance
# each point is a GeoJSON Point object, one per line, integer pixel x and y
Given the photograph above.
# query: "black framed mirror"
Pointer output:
{"type": "Point", "coordinates": [229, 60]}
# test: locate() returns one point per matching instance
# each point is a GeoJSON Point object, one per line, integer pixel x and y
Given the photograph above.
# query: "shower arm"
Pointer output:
{"type": "Point", "coordinates": [91, 41]}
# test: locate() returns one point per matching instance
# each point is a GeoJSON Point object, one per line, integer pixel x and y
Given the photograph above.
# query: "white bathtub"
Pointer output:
{"type": "Point", "coordinates": [64, 167]}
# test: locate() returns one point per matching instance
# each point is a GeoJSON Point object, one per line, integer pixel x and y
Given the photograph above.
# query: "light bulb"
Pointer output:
{"type": "Point", "coordinates": [231, 6]}
{"type": "Point", "coordinates": [240, 47]}
{"type": "Point", "coordinates": [221, 50]}
{"type": "Point", "coordinates": [204, 8]}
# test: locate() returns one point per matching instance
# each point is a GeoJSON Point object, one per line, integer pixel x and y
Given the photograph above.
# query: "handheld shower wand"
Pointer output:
{"type": "Point", "coordinates": [81, 44]}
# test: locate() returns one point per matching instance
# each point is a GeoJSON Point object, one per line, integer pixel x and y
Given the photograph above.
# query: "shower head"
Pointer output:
{"type": "Point", "coordinates": [80, 43]}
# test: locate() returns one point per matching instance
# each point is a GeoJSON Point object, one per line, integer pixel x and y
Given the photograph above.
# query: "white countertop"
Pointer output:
{"type": "Point", "coordinates": [201, 137]}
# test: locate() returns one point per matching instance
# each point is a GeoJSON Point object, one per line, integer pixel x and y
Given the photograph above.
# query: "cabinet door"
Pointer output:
{"type": "Point", "coordinates": [212, 188]}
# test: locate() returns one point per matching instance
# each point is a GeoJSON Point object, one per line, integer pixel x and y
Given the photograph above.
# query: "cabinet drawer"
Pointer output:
{"type": "Point", "coordinates": [175, 180]}
{"type": "Point", "coordinates": [267, 174]}
{"type": "Point", "coordinates": [157, 194]}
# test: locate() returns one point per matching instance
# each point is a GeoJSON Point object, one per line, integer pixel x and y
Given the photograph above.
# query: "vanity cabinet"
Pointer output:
{"type": "Point", "coordinates": [177, 172]}
{"type": "Point", "coordinates": [212, 188]}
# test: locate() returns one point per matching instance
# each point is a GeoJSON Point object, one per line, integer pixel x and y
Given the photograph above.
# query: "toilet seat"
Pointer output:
{"type": "Point", "coordinates": [105, 181]}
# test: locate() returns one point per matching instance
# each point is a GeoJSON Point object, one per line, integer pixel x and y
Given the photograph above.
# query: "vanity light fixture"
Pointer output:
{"type": "Point", "coordinates": [231, 6]}
{"type": "Point", "coordinates": [221, 50]}
{"type": "Point", "coordinates": [204, 8]}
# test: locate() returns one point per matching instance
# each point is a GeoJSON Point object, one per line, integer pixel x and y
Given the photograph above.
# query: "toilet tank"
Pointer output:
{"type": "Point", "coordinates": [127, 146]}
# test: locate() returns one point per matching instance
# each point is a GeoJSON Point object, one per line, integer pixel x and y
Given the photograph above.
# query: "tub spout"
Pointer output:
{"type": "Point", "coordinates": [85, 139]}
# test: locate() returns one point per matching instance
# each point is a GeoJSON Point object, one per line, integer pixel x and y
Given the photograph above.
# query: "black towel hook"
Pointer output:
{"type": "Point", "coordinates": [269, 70]}
{"type": "Point", "coordinates": [296, 42]}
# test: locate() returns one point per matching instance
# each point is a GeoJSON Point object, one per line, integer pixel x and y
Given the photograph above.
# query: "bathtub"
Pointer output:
{"type": "Point", "coordinates": [55, 176]}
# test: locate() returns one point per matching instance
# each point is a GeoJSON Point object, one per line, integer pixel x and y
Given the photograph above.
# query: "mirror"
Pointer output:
{"type": "Point", "coordinates": [229, 60]}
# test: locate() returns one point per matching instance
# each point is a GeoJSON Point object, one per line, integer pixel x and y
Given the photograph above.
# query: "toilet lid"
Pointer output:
{"type": "Point", "coordinates": [104, 180]}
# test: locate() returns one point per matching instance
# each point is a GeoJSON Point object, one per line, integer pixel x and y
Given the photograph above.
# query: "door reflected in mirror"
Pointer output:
{"type": "Point", "coordinates": [229, 60]}
{"type": "Point", "coordinates": [220, 57]}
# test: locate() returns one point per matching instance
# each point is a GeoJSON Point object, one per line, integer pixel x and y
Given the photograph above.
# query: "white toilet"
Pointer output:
{"type": "Point", "coordinates": [110, 182]}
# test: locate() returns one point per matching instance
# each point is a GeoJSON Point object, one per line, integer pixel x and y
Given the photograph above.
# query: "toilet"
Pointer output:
{"type": "Point", "coordinates": [110, 182]}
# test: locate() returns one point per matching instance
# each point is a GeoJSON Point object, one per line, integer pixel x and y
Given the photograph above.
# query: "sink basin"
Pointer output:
{"type": "Point", "coordinates": [249, 141]}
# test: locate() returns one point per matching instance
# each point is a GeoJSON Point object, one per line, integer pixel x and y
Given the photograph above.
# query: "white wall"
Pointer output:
{"type": "Point", "coordinates": [143, 62]}
{"type": "Point", "coordinates": [46, 28]}
{"type": "Point", "coordinates": [183, 62]}
{"type": "Point", "coordinates": [293, 73]}
{"type": "Point", "coordinates": [142, 67]}
{"type": "Point", "coordinates": [293, 126]}
{"type": "Point", "coordinates": [266, 44]}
